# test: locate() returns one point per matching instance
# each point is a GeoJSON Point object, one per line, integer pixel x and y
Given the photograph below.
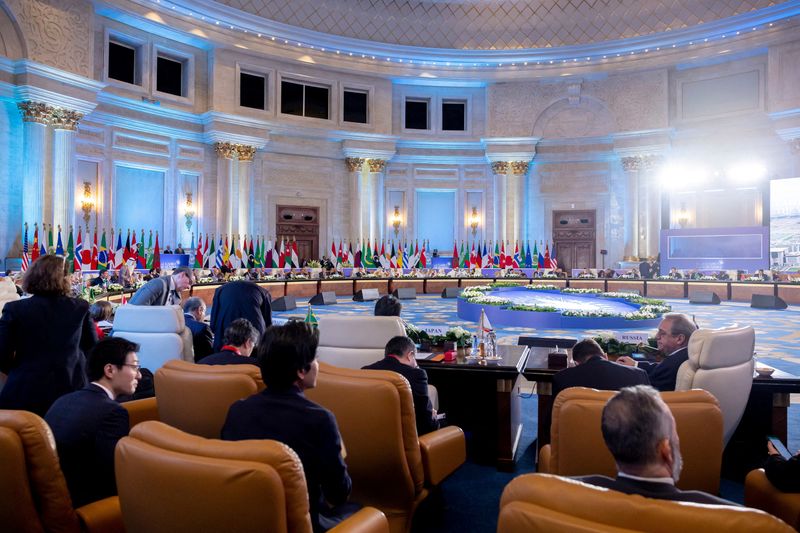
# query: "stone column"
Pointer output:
{"type": "Point", "coordinates": [245, 177]}
{"type": "Point", "coordinates": [376, 210]}
{"type": "Point", "coordinates": [36, 161]}
{"type": "Point", "coordinates": [500, 169]}
{"type": "Point", "coordinates": [515, 200]}
{"type": "Point", "coordinates": [64, 122]}
{"type": "Point", "coordinates": [227, 194]}
{"type": "Point", "coordinates": [632, 166]}
{"type": "Point", "coordinates": [650, 206]}
{"type": "Point", "coordinates": [358, 197]}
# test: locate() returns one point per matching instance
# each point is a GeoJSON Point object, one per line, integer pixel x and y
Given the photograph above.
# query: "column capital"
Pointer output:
{"type": "Point", "coordinates": [225, 150]}
{"type": "Point", "coordinates": [377, 165]}
{"type": "Point", "coordinates": [65, 119]}
{"type": "Point", "coordinates": [520, 168]}
{"type": "Point", "coordinates": [354, 164]}
{"type": "Point", "coordinates": [35, 112]}
{"type": "Point", "coordinates": [632, 163]}
{"type": "Point", "coordinates": [500, 167]}
{"type": "Point", "coordinates": [635, 163]}
{"type": "Point", "coordinates": [794, 145]}
{"type": "Point", "coordinates": [245, 152]}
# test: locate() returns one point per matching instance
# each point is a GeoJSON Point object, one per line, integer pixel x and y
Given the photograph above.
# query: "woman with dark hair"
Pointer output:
{"type": "Point", "coordinates": [43, 339]}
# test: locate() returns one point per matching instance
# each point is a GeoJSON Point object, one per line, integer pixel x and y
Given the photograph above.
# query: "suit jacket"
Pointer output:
{"type": "Point", "coordinates": [86, 425]}
{"type": "Point", "coordinates": [644, 269]}
{"type": "Point", "coordinates": [154, 292]}
{"type": "Point", "coordinates": [659, 491]}
{"type": "Point", "coordinates": [202, 337]}
{"type": "Point", "coordinates": [43, 341]}
{"type": "Point", "coordinates": [239, 299]}
{"type": "Point", "coordinates": [228, 357]}
{"type": "Point", "coordinates": [784, 474]}
{"type": "Point", "coordinates": [307, 428]}
{"type": "Point", "coordinates": [418, 379]}
{"type": "Point", "coordinates": [664, 374]}
{"type": "Point", "coordinates": [599, 373]}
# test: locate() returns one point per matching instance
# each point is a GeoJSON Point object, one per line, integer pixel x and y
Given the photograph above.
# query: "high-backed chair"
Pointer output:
{"type": "Point", "coordinates": [196, 398]}
{"type": "Point", "coordinates": [541, 502]}
{"type": "Point", "coordinates": [33, 492]}
{"type": "Point", "coordinates": [721, 362]}
{"type": "Point", "coordinates": [760, 493]}
{"type": "Point", "coordinates": [170, 481]}
{"type": "Point", "coordinates": [392, 468]}
{"type": "Point", "coordinates": [160, 330]}
{"type": "Point", "coordinates": [355, 341]}
{"type": "Point", "coordinates": [577, 447]}
{"type": "Point", "coordinates": [8, 291]}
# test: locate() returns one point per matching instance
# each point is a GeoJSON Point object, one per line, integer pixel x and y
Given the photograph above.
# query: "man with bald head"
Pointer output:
{"type": "Point", "coordinates": [672, 338]}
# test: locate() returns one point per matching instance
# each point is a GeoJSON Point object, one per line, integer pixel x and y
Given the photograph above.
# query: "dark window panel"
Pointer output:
{"type": "Point", "coordinates": [316, 102]}
{"type": "Point", "coordinates": [169, 76]}
{"type": "Point", "coordinates": [291, 98]}
{"type": "Point", "coordinates": [416, 115]}
{"type": "Point", "coordinates": [121, 62]}
{"type": "Point", "coordinates": [251, 91]}
{"type": "Point", "coordinates": [355, 107]}
{"type": "Point", "coordinates": [453, 116]}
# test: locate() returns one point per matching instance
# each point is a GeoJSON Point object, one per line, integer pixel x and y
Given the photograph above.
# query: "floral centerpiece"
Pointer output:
{"type": "Point", "coordinates": [541, 287]}
{"type": "Point", "coordinates": [498, 284]}
{"type": "Point", "coordinates": [549, 275]}
{"type": "Point", "coordinates": [313, 263]}
{"type": "Point", "coordinates": [611, 345]}
{"type": "Point", "coordinates": [415, 334]}
{"type": "Point", "coordinates": [575, 290]}
{"type": "Point", "coordinates": [534, 308]}
{"type": "Point", "coordinates": [458, 335]}
{"type": "Point", "coordinates": [484, 299]}
{"type": "Point", "coordinates": [205, 280]}
{"type": "Point", "coordinates": [115, 287]}
{"type": "Point", "coordinates": [235, 278]}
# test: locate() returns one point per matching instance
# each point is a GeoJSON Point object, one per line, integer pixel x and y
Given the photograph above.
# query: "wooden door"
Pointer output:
{"type": "Point", "coordinates": [301, 223]}
{"type": "Point", "coordinates": [574, 236]}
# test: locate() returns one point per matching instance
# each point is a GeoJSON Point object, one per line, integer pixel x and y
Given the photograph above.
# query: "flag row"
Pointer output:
{"type": "Point", "coordinates": [483, 255]}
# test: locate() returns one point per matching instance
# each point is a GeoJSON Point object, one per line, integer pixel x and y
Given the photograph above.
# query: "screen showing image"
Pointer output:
{"type": "Point", "coordinates": [745, 246]}
{"type": "Point", "coordinates": [784, 224]}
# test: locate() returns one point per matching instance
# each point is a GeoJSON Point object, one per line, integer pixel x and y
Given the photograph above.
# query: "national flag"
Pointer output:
{"type": "Point", "coordinates": [269, 260]}
{"type": "Point", "coordinates": [399, 257]}
{"type": "Point", "coordinates": [503, 254]}
{"type": "Point", "coordinates": [198, 254]}
{"type": "Point", "coordinates": [35, 249]}
{"type": "Point", "coordinates": [135, 248]}
{"type": "Point", "coordinates": [253, 256]}
{"type": "Point", "coordinates": [149, 262]}
{"type": "Point", "coordinates": [226, 254]}
{"type": "Point", "coordinates": [311, 317]}
{"type": "Point", "coordinates": [70, 258]}
{"type": "Point", "coordinates": [393, 257]}
{"type": "Point", "coordinates": [496, 257]}
{"type": "Point", "coordinates": [25, 249]}
{"type": "Point", "coordinates": [358, 262]}
{"type": "Point", "coordinates": [455, 262]}
{"type": "Point", "coordinates": [94, 250]}
{"type": "Point", "coordinates": [295, 257]}
{"type": "Point", "coordinates": [553, 260]}
{"type": "Point", "coordinates": [236, 254]}
{"type": "Point", "coordinates": [528, 257]}
{"type": "Point", "coordinates": [206, 254]}
{"type": "Point", "coordinates": [50, 247]}
{"type": "Point", "coordinates": [423, 257]}
{"type": "Point", "coordinates": [102, 254]}
{"type": "Point", "coordinates": [473, 259]}
{"type": "Point", "coordinates": [517, 259]}
{"type": "Point", "coordinates": [60, 245]}
{"type": "Point", "coordinates": [119, 252]}
{"type": "Point", "coordinates": [382, 257]}
{"type": "Point", "coordinates": [126, 252]}
{"type": "Point", "coordinates": [366, 252]}
{"type": "Point", "coordinates": [333, 252]}
{"type": "Point", "coordinates": [141, 253]}
{"type": "Point", "coordinates": [211, 257]}
{"type": "Point", "coordinates": [241, 253]}
{"type": "Point", "coordinates": [77, 260]}
{"type": "Point", "coordinates": [339, 256]}
{"type": "Point", "coordinates": [486, 257]}
{"type": "Point", "coordinates": [535, 258]}
{"type": "Point", "coordinates": [547, 256]}
{"type": "Point", "coordinates": [540, 260]}
{"type": "Point", "coordinates": [85, 255]}
{"type": "Point", "coordinates": [156, 254]}
{"type": "Point", "coordinates": [406, 259]}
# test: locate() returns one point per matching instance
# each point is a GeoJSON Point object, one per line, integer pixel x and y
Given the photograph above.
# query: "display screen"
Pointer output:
{"type": "Point", "coordinates": [784, 224]}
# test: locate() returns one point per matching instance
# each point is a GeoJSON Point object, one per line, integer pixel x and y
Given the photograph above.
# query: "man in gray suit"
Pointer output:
{"type": "Point", "coordinates": [164, 290]}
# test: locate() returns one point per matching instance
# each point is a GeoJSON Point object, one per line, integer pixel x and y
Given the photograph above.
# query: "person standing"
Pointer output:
{"type": "Point", "coordinates": [239, 299]}
{"type": "Point", "coordinates": [164, 290]}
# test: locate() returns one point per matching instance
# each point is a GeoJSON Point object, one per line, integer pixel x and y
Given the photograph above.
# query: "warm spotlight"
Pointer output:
{"type": "Point", "coordinates": [677, 176]}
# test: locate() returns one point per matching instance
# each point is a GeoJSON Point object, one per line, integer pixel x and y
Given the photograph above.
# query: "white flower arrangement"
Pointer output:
{"type": "Point", "coordinates": [574, 290]}
{"type": "Point", "coordinates": [541, 287]}
{"type": "Point", "coordinates": [235, 278]}
{"type": "Point", "coordinates": [549, 275]}
{"type": "Point", "coordinates": [641, 314]}
{"type": "Point", "coordinates": [115, 287]}
{"type": "Point", "coordinates": [753, 278]}
{"type": "Point", "coordinates": [204, 280]}
{"type": "Point", "coordinates": [627, 275]}
{"type": "Point", "coordinates": [708, 278]}
{"type": "Point", "coordinates": [583, 275]}
{"type": "Point", "coordinates": [588, 314]}
{"type": "Point", "coordinates": [630, 296]}
{"type": "Point", "coordinates": [487, 300]}
{"type": "Point", "coordinates": [665, 276]}
{"type": "Point", "coordinates": [475, 291]}
{"type": "Point", "coordinates": [138, 284]}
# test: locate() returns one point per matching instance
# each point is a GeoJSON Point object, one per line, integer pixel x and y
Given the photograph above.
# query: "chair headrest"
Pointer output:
{"type": "Point", "coordinates": [359, 331]}
{"type": "Point", "coordinates": [718, 348]}
{"type": "Point", "coordinates": [179, 365]}
{"type": "Point", "coordinates": [149, 318]}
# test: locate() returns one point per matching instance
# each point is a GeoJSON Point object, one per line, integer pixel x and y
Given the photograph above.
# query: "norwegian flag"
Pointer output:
{"type": "Point", "coordinates": [78, 253]}
{"type": "Point", "coordinates": [25, 250]}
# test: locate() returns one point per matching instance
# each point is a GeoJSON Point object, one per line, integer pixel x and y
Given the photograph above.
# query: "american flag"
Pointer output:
{"type": "Point", "coordinates": [553, 260]}
{"type": "Point", "coordinates": [25, 259]}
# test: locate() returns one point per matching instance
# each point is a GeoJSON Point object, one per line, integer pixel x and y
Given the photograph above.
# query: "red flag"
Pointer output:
{"type": "Point", "coordinates": [156, 254]}
{"type": "Point", "coordinates": [94, 251]}
{"type": "Point", "coordinates": [503, 255]}
{"type": "Point", "coordinates": [127, 254]}
{"type": "Point", "coordinates": [135, 249]}
{"type": "Point", "coordinates": [35, 249]}
{"type": "Point", "coordinates": [198, 254]}
{"type": "Point", "coordinates": [547, 256]}
{"type": "Point", "coordinates": [422, 258]}
{"type": "Point", "coordinates": [76, 260]}
{"type": "Point", "coordinates": [455, 255]}
{"type": "Point", "coordinates": [282, 255]}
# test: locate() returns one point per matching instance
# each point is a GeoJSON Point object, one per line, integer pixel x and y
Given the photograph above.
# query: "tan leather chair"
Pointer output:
{"type": "Point", "coordinates": [196, 398]}
{"type": "Point", "coordinates": [761, 494]}
{"type": "Point", "coordinates": [391, 467]}
{"type": "Point", "coordinates": [159, 330]}
{"type": "Point", "coordinates": [170, 481]}
{"type": "Point", "coordinates": [541, 502]}
{"type": "Point", "coordinates": [577, 447]}
{"type": "Point", "coordinates": [33, 492]}
{"type": "Point", "coordinates": [355, 341]}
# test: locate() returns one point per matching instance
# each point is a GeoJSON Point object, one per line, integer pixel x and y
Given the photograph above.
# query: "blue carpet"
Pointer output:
{"type": "Point", "coordinates": [469, 500]}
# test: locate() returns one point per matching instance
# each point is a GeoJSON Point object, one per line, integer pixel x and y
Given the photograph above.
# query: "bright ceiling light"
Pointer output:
{"type": "Point", "coordinates": [747, 172]}
{"type": "Point", "coordinates": [679, 176]}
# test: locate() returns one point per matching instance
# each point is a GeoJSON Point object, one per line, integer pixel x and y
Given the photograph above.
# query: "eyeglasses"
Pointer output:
{"type": "Point", "coordinates": [136, 367]}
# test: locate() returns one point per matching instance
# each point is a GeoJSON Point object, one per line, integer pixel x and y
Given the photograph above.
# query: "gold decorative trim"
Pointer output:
{"type": "Point", "coordinates": [376, 165]}
{"type": "Point", "coordinates": [632, 163]}
{"type": "Point", "coordinates": [225, 150]}
{"type": "Point", "coordinates": [65, 119]}
{"type": "Point", "coordinates": [35, 112]}
{"type": "Point", "coordinates": [500, 167]}
{"type": "Point", "coordinates": [246, 153]}
{"type": "Point", "coordinates": [520, 168]}
{"type": "Point", "coordinates": [354, 164]}
{"type": "Point", "coordinates": [641, 162]}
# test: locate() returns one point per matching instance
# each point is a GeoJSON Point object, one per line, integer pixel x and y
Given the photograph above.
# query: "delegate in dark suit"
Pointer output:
{"type": "Point", "coordinates": [43, 341]}
{"type": "Point", "coordinates": [599, 373]}
{"type": "Point", "coordinates": [228, 357]}
{"type": "Point", "coordinates": [418, 379]}
{"type": "Point", "coordinates": [309, 429]}
{"type": "Point", "coordinates": [202, 337]}
{"type": "Point", "coordinates": [86, 425]}
{"type": "Point", "coordinates": [784, 473]}
{"type": "Point", "coordinates": [653, 489]}
{"type": "Point", "coordinates": [154, 292]}
{"type": "Point", "coordinates": [239, 299]}
{"type": "Point", "coordinates": [664, 374]}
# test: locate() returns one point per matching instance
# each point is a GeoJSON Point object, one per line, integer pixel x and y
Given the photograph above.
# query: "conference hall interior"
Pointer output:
{"type": "Point", "coordinates": [399, 266]}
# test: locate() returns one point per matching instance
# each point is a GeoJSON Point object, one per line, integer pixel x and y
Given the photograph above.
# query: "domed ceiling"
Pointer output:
{"type": "Point", "coordinates": [494, 24]}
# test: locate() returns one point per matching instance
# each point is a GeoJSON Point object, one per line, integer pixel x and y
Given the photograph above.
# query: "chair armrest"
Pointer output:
{"type": "Point", "coordinates": [102, 516]}
{"type": "Point", "coordinates": [544, 460]}
{"type": "Point", "coordinates": [141, 410]}
{"type": "Point", "coordinates": [443, 451]}
{"type": "Point", "coordinates": [761, 494]}
{"type": "Point", "coordinates": [367, 520]}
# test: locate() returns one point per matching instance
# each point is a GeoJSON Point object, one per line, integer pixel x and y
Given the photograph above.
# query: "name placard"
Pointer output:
{"type": "Point", "coordinates": [434, 330]}
{"type": "Point", "coordinates": [632, 338]}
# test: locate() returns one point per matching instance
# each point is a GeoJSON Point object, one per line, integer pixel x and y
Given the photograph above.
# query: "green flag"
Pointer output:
{"type": "Point", "coordinates": [70, 252]}
{"type": "Point", "coordinates": [150, 254]}
{"type": "Point", "coordinates": [311, 318]}
{"type": "Point", "coordinates": [50, 239]}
